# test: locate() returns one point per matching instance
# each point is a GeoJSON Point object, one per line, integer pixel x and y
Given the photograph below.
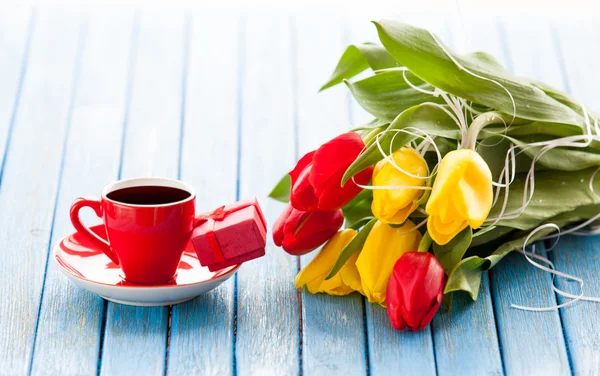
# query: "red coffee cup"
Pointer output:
{"type": "Point", "coordinates": [148, 222]}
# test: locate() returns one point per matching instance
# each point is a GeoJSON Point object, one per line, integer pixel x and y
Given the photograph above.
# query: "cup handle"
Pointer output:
{"type": "Point", "coordinates": [94, 204]}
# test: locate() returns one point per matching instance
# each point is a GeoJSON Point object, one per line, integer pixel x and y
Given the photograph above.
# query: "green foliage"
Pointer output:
{"type": "Point", "coordinates": [449, 255]}
{"type": "Point", "coordinates": [387, 94]}
{"type": "Point", "coordinates": [281, 192]}
{"type": "Point", "coordinates": [358, 209]}
{"type": "Point", "coordinates": [358, 58]}
{"type": "Point", "coordinates": [355, 245]}
{"type": "Point", "coordinates": [479, 81]}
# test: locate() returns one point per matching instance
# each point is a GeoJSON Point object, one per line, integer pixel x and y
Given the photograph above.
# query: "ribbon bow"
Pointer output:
{"type": "Point", "coordinates": [218, 215]}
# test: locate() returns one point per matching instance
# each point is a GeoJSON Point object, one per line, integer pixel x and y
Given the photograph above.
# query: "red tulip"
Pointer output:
{"type": "Point", "coordinates": [299, 232]}
{"type": "Point", "coordinates": [317, 177]}
{"type": "Point", "coordinates": [414, 291]}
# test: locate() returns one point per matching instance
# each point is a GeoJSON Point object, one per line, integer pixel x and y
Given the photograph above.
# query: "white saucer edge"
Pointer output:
{"type": "Point", "coordinates": [142, 304]}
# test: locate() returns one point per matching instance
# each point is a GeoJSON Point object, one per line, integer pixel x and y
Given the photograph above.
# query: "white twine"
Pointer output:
{"type": "Point", "coordinates": [530, 256]}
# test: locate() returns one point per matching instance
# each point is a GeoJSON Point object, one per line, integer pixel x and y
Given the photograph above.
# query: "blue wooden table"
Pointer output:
{"type": "Point", "coordinates": [228, 102]}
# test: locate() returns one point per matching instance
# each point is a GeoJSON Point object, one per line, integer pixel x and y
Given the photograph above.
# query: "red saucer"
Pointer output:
{"type": "Point", "coordinates": [89, 268]}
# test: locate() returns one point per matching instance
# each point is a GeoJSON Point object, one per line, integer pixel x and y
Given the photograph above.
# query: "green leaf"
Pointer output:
{"type": "Point", "coordinates": [281, 192]}
{"type": "Point", "coordinates": [373, 124]}
{"type": "Point", "coordinates": [449, 255]}
{"type": "Point", "coordinates": [466, 276]}
{"type": "Point", "coordinates": [355, 245]}
{"type": "Point", "coordinates": [358, 224]}
{"type": "Point", "coordinates": [541, 127]}
{"type": "Point", "coordinates": [425, 243]}
{"type": "Point", "coordinates": [559, 96]}
{"type": "Point", "coordinates": [447, 301]}
{"type": "Point", "coordinates": [489, 236]}
{"type": "Point", "coordinates": [356, 59]}
{"type": "Point", "coordinates": [493, 151]}
{"type": "Point", "coordinates": [387, 94]}
{"type": "Point", "coordinates": [561, 158]}
{"type": "Point", "coordinates": [359, 208]}
{"type": "Point", "coordinates": [427, 117]}
{"type": "Point", "coordinates": [487, 60]}
{"type": "Point", "coordinates": [417, 49]}
{"type": "Point", "coordinates": [554, 194]}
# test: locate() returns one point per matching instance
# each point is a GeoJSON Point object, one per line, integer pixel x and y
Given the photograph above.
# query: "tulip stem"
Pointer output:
{"type": "Point", "coordinates": [425, 243]}
{"type": "Point", "coordinates": [481, 122]}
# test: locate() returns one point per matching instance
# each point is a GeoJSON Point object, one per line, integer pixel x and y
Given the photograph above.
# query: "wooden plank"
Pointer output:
{"type": "Point", "coordinates": [268, 312]}
{"type": "Point", "coordinates": [580, 256]}
{"type": "Point", "coordinates": [356, 30]}
{"type": "Point", "coordinates": [91, 160]}
{"type": "Point", "coordinates": [531, 342]}
{"type": "Point", "coordinates": [15, 33]}
{"type": "Point", "coordinates": [136, 337]}
{"type": "Point", "coordinates": [333, 333]}
{"type": "Point", "coordinates": [470, 325]}
{"type": "Point", "coordinates": [465, 338]}
{"type": "Point", "coordinates": [202, 329]}
{"type": "Point", "coordinates": [29, 185]}
{"type": "Point", "coordinates": [395, 352]}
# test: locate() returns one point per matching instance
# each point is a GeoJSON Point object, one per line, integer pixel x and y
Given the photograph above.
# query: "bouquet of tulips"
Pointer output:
{"type": "Point", "coordinates": [462, 163]}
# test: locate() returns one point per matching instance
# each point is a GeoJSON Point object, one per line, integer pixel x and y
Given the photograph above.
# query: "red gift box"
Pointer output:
{"type": "Point", "coordinates": [230, 235]}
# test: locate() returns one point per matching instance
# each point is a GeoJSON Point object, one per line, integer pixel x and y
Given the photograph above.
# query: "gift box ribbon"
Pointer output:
{"type": "Point", "coordinates": [220, 214]}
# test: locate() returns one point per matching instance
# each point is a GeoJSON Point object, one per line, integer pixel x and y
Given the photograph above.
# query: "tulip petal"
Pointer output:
{"type": "Point", "coordinates": [394, 305]}
{"type": "Point", "coordinates": [350, 275]}
{"type": "Point", "coordinates": [279, 225]}
{"type": "Point", "coordinates": [383, 247]}
{"type": "Point", "coordinates": [442, 235]}
{"type": "Point", "coordinates": [395, 205]}
{"type": "Point", "coordinates": [462, 195]}
{"type": "Point", "coordinates": [323, 261]}
{"type": "Point", "coordinates": [447, 228]}
{"type": "Point", "coordinates": [398, 217]}
{"type": "Point", "coordinates": [335, 286]}
{"type": "Point", "coordinates": [335, 155]}
{"type": "Point", "coordinates": [333, 196]}
{"type": "Point", "coordinates": [305, 231]}
{"type": "Point", "coordinates": [415, 290]}
{"type": "Point", "coordinates": [476, 188]}
{"type": "Point", "coordinates": [304, 162]}
{"type": "Point", "coordinates": [435, 305]}
{"type": "Point", "coordinates": [313, 274]}
{"type": "Point", "coordinates": [421, 279]}
{"type": "Point", "coordinates": [320, 222]}
{"type": "Point", "coordinates": [302, 196]}
{"type": "Point", "coordinates": [330, 162]}
{"type": "Point", "coordinates": [312, 286]}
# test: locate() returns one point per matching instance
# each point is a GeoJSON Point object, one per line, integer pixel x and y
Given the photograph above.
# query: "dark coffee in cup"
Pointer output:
{"type": "Point", "coordinates": [148, 195]}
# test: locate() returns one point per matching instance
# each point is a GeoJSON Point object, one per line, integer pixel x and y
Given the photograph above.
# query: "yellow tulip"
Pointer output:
{"type": "Point", "coordinates": [383, 247]}
{"type": "Point", "coordinates": [462, 195]}
{"type": "Point", "coordinates": [395, 205]}
{"type": "Point", "coordinates": [344, 282]}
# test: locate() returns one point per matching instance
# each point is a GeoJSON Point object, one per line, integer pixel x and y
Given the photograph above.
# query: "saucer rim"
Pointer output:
{"type": "Point", "coordinates": [55, 250]}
